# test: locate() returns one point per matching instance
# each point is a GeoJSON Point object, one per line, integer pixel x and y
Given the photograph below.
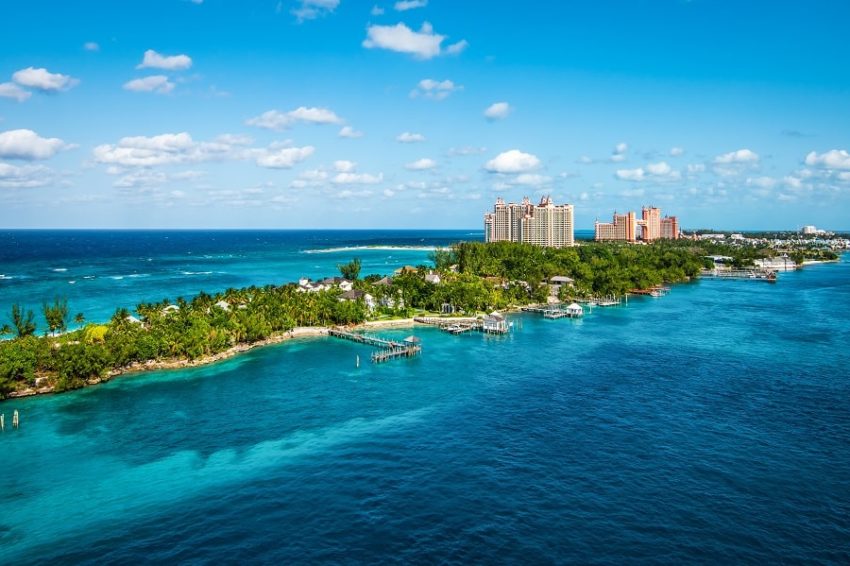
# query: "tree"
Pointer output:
{"type": "Point", "coordinates": [80, 318]}
{"type": "Point", "coordinates": [56, 315]}
{"type": "Point", "coordinates": [350, 270]}
{"type": "Point", "coordinates": [24, 325]}
{"type": "Point", "coordinates": [5, 329]}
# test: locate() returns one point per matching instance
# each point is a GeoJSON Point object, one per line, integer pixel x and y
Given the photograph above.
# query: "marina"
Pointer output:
{"type": "Point", "coordinates": [739, 274]}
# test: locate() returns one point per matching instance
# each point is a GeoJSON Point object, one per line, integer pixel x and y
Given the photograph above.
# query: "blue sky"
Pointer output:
{"type": "Point", "coordinates": [347, 114]}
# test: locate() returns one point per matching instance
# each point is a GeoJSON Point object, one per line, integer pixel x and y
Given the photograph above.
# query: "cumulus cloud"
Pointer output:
{"type": "Point", "coordinates": [631, 174]}
{"type": "Point", "coordinates": [91, 46]}
{"type": "Point", "coordinates": [24, 176]}
{"type": "Point", "coordinates": [434, 90]}
{"type": "Point", "coordinates": [676, 151]}
{"type": "Point", "coordinates": [660, 171]}
{"type": "Point", "coordinates": [404, 5]}
{"type": "Point", "coordinates": [512, 161]}
{"type": "Point", "coordinates": [312, 9]}
{"type": "Point", "coordinates": [832, 159]}
{"type": "Point", "coordinates": [141, 178]}
{"type": "Point", "coordinates": [422, 44]}
{"type": "Point", "coordinates": [409, 137]}
{"type": "Point", "coordinates": [345, 166]}
{"type": "Point", "coordinates": [377, 11]}
{"type": "Point", "coordinates": [497, 111]}
{"type": "Point", "coordinates": [421, 164]}
{"type": "Point", "coordinates": [357, 179]}
{"type": "Point", "coordinates": [734, 157]}
{"type": "Point", "coordinates": [310, 178]}
{"type": "Point", "coordinates": [166, 149]}
{"type": "Point", "coordinates": [28, 145]}
{"type": "Point", "coordinates": [619, 153]}
{"type": "Point", "coordinates": [457, 48]}
{"type": "Point", "coordinates": [154, 60]}
{"type": "Point", "coordinates": [154, 83]}
{"type": "Point", "coordinates": [276, 120]}
{"type": "Point", "coordinates": [43, 80]}
{"type": "Point", "coordinates": [349, 132]}
{"type": "Point", "coordinates": [284, 158]}
{"type": "Point", "coordinates": [11, 90]}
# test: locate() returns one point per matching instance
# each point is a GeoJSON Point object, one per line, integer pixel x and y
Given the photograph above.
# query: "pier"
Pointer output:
{"type": "Point", "coordinates": [390, 349]}
{"type": "Point", "coordinates": [557, 310]}
{"type": "Point", "coordinates": [493, 323]}
{"type": "Point", "coordinates": [740, 274]}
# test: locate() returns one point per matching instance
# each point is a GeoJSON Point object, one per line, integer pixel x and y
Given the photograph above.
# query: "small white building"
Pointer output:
{"type": "Point", "coordinates": [574, 310]}
{"type": "Point", "coordinates": [494, 323]}
{"type": "Point", "coordinates": [433, 278]}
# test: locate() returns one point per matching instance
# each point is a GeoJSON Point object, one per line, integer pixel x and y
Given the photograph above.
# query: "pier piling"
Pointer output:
{"type": "Point", "coordinates": [2, 422]}
{"type": "Point", "coordinates": [15, 419]}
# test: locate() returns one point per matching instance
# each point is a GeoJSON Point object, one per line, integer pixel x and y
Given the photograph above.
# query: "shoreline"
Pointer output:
{"type": "Point", "coordinates": [174, 364]}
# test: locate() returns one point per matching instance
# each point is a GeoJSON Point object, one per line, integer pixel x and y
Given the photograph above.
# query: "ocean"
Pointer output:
{"type": "Point", "coordinates": [708, 426]}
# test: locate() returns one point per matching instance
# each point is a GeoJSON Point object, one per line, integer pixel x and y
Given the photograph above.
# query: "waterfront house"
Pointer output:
{"type": "Point", "coordinates": [574, 310]}
{"type": "Point", "coordinates": [494, 323]}
{"type": "Point", "coordinates": [358, 295]}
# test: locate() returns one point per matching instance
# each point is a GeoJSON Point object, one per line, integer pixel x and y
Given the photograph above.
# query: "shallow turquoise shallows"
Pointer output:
{"type": "Point", "coordinates": [711, 425]}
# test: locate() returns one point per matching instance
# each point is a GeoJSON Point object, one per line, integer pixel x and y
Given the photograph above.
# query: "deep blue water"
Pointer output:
{"type": "Point", "coordinates": [708, 426]}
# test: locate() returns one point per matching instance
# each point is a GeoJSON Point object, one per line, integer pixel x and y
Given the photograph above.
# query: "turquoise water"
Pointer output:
{"type": "Point", "coordinates": [711, 425]}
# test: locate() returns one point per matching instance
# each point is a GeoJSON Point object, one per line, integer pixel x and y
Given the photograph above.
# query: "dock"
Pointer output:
{"type": "Point", "coordinates": [493, 323]}
{"type": "Point", "coordinates": [557, 310]}
{"type": "Point", "coordinates": [739, 274]}
{"type": "Point", "coordinates": [390, 349]}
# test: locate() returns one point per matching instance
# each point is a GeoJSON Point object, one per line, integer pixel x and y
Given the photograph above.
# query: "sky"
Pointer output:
{"type": "Point", "coordinates": [419, 113]}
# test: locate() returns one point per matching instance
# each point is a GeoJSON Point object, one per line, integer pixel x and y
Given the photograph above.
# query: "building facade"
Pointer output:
{"type": "Point", "coordinates": [628, 228]}
{"type": "Point", "coordinates": [543, 224]}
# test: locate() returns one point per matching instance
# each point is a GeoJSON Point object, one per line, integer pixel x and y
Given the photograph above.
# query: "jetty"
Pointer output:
{"type": "Point", "coordinates": [389, 349]}
{"type": "Point", "coordinates": [493, 323]}
{"type": "Point", "coordinates": [557, 310]}
{"type": "Point", "coordinates": [740, 274]}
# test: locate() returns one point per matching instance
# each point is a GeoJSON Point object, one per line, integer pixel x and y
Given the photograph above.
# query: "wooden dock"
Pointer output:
{"type": "Point", "coordinates": [739, 274]}
{"type": "Point", "coordinates": [389, 349]}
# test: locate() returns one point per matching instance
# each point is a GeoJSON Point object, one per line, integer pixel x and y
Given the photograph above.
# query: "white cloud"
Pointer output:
{"type": "Point", "coordinates": [344, 166]}
{"type": "Point", "coordinates": [422, 44]}
{"type": "Point", "coordinates": [512, 161]}
{"type": "Point", "coordinates": [377, 11]}
{"type": "Point", "coordinates": [631, 174]}
{"type": "Point", "coordinates": [154, 60]}
{"type": "Point", "coordinates": [497, 111]}
{"type": "Point", "coordinates": [832, 159]}
{"type": "Point", "coordinates": [154, 83]}
{"type": "Point", "coordinates": [91, 46]}
{"type": "Point", "coordinates": [409, 137]}
{"type": "Point", "coordinates": [676, 151]}
{"type": "Point", "coordinates": [284, 158]}
{"type": "Point", "coordinates": [734, 157]}
{"type": "Point", "coordinates": [421, 164]}
{"type": "Point", "coordinates": [141, 178]}
{"type": "Point", "coordinates": [276, 120]}
{"type": "Point", "coordinates": [659, 169]}
{"type": "Point", "coordinates": [357, 179]}
{"type": "Point", "coordinates": [312, 9]}
{"type": "Point", "coordinates": [24, 176]}
{"type": "Point", "coordinates": [435, 90]}
{"type": "Point", "coordinates": [44, 80]}
{"type": "Point", "coordinates": [530, 179]}
{"type": "Point", "coordinates": [350, 133]}
{"type": "Point", "coordinates": [619, 153]}
{"type": "Point", "coordinates": [11, 90]}
{"type": "Point", "coordinates": [26, 144]}
{"type": "Point", "coordinates": [761, 182]}
{"type": "Point", "coordinates": [457, 48]}
{"type": "Point", "coordinates": [167, 149]}
{"type": "Point", "coordinates": [310, 178]}
{"type": "Point", "coordinates": [404, 5]}
{"type": "Point", "coordinates": [694, 168]}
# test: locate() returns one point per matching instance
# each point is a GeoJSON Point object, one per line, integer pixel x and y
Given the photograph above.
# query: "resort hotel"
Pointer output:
{"type": "Point", "coordinates": [628, 228]}
{"type": "Point", "coordinates": [544, 224]}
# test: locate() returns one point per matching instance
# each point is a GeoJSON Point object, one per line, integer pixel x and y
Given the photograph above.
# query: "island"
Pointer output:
{"type": "Point", "coordinates": [466, 279]}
